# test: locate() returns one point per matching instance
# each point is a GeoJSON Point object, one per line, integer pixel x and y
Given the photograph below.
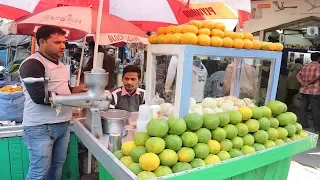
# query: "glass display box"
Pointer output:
{"type": "Point", "coordinates": [240, 73]}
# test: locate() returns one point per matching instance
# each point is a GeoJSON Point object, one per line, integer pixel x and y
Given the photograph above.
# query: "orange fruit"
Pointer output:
{"type": "Point", "coordinates": [271, 46]}
{"type": "Point", "coordinates": [264, 45]}
{"type": "Point", "coordinates": [216, 41]}
{"type": "Point", "coordinates": [204, 31]}
{"type": "Point", "coordinates": [247, 44]}
{"type": "Point", "coordinates": [167, 39]}
{"type": "Point", "coordinates": [217, 32]}
{"type": "Point", "coordinates": [160, 39]}
{"type": "Point", "coordinates": [190, 28]}
{"type": "Point", "coordinates": [208, 24]}
{"type": "Point", "coordinates": [177, 29]}
{"type": "Point", "coordinates": [221, 26]}
{"type": "Point", "coordinates": [161, 30]}
{"type": "Point", "coordinates": [256, 44]}
{"type": "Point", "coordinates": [279, 46]}
{"type": "Point", "coordinates": [227, 42]}
{"type": "Point", "coordinates": [176, 38]}
{"type": "Point", "coordinates": [153, 39]}
{"type": "Point", "coordinates": [239, 35]}
{"type": "Point", "coordinates": [189, 38]}
{"type": "Point", "coordinates": [248, 36]}
{"type": "Point", "coordinates": [169, 29]}
{"type": "Point", "coordinates": [238, 43]}
{"type": "Point", "coordinates": [204, 40]}
{"type": "Point", "coordinates": [229, 34]}
{"type": "Point", "coordinates": [196, 23]}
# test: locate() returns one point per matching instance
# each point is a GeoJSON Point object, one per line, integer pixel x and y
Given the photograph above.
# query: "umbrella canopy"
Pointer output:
{"type": "Point", "coordinates": [79, 21]}
{"type": "Point", "coordinates": [146, 14]}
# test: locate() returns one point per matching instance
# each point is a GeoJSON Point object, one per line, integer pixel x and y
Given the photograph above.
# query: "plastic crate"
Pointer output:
{"type": "Point", "coordinates": [269, 164]}
{"type": "Point", "coordinates": [14, 159]}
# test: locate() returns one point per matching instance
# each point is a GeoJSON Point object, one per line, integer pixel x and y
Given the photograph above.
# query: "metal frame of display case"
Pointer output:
{"type": "Point", "coordinates": [185, 55]}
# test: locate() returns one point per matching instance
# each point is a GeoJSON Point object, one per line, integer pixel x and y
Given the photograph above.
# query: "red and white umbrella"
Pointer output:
{"type": "Point", "coordinates": [80, 21]}
{"type": "Point", "coordinates": [146, 14]}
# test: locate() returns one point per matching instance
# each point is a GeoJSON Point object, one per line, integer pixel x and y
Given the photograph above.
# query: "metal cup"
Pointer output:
{"type": "Point", "coordinates": [115, 142]}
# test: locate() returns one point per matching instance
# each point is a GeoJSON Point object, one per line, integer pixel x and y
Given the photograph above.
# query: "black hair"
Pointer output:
{"type": "Point", "coordinates": [45, 31]}
{"type": "Point", "coordinates": [132, 68]}
{"type": "Point", "coordinates": [110, 48]}
{"type": "Point", "coordinates": [299, 60]}
{"type": "Point", "coordinates": [315, 56]}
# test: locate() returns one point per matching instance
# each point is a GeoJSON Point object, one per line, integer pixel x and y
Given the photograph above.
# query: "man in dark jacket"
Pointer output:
{"type": "Point", "coordinates": [108, 66]}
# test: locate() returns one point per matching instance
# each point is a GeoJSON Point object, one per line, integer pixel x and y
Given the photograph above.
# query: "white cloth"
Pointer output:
{"type": "Point", "coordinates": [199, 77]}
{"type": "Point", "coordinates": [171, 74]}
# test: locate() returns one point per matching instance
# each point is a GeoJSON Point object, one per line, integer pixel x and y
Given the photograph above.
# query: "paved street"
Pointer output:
{"type": "Point", "coordinates": [310, 158]}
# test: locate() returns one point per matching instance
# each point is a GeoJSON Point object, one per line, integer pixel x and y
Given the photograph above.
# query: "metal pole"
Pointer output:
{"type": "Point", "coordinates": [261, 35]}
{"type": "Point", "coordinates": [33, 45]}
{"type": "Point", "coordinates": [81, 61]}
{"type": "Point", "coordinates": [97, 39]}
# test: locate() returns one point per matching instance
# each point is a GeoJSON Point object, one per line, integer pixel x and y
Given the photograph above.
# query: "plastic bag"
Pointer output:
{"type": "Point", "coordinates": [11, 106]}
{"type": "Point", "coordinates": [156, 100]}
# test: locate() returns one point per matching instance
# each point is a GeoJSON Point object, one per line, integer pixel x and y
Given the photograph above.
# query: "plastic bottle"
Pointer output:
{"type": "Point", "coordinates": [144, 117]}
{"type": "Point", "coordinates": [155, 111]}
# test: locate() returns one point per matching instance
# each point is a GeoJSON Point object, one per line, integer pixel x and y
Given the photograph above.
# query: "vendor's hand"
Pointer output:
{"type": "Point", "coordinates": [80, 88]}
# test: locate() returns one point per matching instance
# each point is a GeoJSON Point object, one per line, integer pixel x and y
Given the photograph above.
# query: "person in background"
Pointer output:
{"type": "Point", "coordinates": [46, 133]}
{"type": "Point", "coordinates": [309, 78]}
{"type": "Point", "coordinates": [129, 97]}
{"type": "Point", "coordinates": [77, 57]}
{"type": "Point", "coordinates": [126, 62]}
{"type": "Point", "coordinates": [292, 81]}
{"type": "Point", "coordinates": [110, 51]}
{"type": "Point", "coordinates": [108, 66]}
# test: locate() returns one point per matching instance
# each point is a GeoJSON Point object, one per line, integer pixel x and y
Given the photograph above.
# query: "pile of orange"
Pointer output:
{"type": "Point", "coordinates": [208, 33]}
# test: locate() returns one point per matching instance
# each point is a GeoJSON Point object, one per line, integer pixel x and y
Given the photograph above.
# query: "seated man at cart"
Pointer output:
{"type": "Point", "coordinates": [129, 97]}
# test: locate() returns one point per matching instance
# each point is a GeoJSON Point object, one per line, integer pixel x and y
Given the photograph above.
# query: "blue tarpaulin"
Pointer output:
{"type": "Point", "coordinates": [3, 56]}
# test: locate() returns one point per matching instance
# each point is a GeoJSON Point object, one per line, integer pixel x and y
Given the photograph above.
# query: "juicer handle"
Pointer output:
{"type": "Point", "coordinates": [30, 80]}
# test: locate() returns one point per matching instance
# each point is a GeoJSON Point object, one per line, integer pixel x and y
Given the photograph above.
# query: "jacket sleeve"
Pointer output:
{"type": "Point", "coordinates": [171, 74]}
{"type": "Point", "coordinates": [34, 68]}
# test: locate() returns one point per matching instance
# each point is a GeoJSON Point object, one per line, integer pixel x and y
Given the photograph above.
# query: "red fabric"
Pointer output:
{"type": "Point", "coordinates": [242, 17]}
{"type": "Point", "coordinates": [14, 13]}
{"type": "Point", "coordinates": [11, 12]}
{"type": "Point", "coordinates": [178, 7]}
{"type": "Point", "coordinates": [181, 9]}
{"type": "Point", "coordinates": [115, 25]}
{"type": "Point", "coordinates": [120, 44]}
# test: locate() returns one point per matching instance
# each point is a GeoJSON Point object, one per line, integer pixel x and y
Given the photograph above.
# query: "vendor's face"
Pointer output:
{"type": "Point", "coordinates": [131, 81]}
{"type": "Point", "coordinates": [54, 46]}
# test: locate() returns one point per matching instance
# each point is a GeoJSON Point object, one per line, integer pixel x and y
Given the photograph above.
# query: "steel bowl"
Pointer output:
{"type": "Point", "coordinates": [114, 121]}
